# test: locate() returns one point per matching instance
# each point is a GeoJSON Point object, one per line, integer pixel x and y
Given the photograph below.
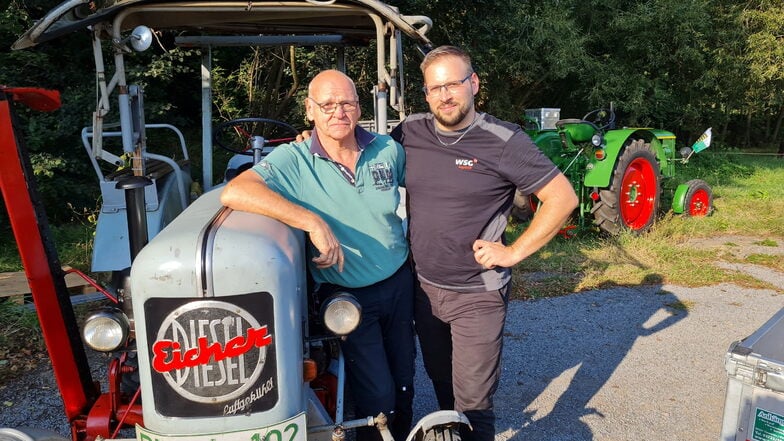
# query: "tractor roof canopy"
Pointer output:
{"type": "Point", "coordinates": [349, 21]}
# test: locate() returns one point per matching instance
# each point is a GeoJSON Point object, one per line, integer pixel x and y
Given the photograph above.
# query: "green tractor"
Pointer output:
{"type": "Point", "coordinates": [618, 173]}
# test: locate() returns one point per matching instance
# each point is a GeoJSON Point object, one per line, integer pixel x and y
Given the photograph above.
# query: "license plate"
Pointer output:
{"type": "Point", "coordinates": [293, 429]}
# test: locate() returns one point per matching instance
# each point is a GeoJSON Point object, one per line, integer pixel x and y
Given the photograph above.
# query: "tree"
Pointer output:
{"type": "Point", "coordinates": [764, 24]}
{"type": "Point", "coordinates": [65, 182]}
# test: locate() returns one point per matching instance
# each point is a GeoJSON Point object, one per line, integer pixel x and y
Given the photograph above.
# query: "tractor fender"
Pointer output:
{"type": "Point", "coordinates": [679, 199]}
{"type": "Point", "coordinates": [549, 142]}
{"type": "Point", "coordinates": [599, 173]}
{"type": "Point", "coordinates": [436, 419]}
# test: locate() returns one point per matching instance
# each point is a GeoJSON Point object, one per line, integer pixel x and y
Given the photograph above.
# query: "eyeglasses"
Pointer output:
{"type": "Point", "coordinates": [452, 87]}
{"type": "Point", "coordinates": [330, 108]}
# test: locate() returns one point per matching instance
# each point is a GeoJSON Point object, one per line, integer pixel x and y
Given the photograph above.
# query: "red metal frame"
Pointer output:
{"type": "Point", "coordinates": [44, 273]}
{"type": "Point", "coordinates": [89, 412]}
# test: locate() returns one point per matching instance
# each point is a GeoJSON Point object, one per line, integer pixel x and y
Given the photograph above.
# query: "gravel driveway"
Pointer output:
{"type": "Point", "coordinates": [622, 364]}
{"type": "Point", "coordinates": [643, 363]}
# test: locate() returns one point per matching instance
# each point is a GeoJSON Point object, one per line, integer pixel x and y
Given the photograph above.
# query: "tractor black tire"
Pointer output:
{"type": "Point", "coordinates": [699, 199]}
{"type": "Point", "coordinates": [631, 202]}
{"type": "Point", "coordinates": [443, 433]}
{"type": "Point", "coordinates": [29, 434]}
{"type": "Point", "coordinates": [522, 209]}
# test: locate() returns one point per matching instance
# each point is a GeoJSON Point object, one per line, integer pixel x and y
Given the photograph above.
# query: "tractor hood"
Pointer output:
{"type": "Point", "coordinates": [352, 21]}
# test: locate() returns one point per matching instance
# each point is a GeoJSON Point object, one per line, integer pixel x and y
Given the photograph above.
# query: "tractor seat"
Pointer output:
{"type": "Point", "coordinates": [155, 169]}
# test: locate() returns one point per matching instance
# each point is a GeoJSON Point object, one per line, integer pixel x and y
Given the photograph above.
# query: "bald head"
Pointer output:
{"type": "Point", "coordinates": [330, 79]}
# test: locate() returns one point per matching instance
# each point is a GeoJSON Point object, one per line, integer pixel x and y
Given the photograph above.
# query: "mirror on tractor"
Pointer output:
{"type": "Point", "coordinates": [140, 38]}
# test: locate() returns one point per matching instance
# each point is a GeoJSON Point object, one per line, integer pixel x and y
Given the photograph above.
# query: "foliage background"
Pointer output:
{"type": "Point", "coordinates": [683, 65]}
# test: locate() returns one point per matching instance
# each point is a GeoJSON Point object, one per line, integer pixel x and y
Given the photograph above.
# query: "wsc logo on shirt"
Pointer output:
{"type": "Point", "coordinates": [466, 164]}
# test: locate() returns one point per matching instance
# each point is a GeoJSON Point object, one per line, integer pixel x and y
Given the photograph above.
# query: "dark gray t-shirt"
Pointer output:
{"type": "Point", "coordinates": [463, 191]}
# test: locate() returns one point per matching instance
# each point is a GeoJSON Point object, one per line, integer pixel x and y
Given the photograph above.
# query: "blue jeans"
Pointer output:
{"type": "Point", "coordinates": [380, 352]}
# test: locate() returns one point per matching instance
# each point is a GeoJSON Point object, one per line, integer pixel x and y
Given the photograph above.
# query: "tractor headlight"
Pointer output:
{"type": "Point", "coordinates": [341, 313]}
{"type": "Point", "coordinates": [106, 330]}
{"type": "Point", "coordinates": [597, 140]}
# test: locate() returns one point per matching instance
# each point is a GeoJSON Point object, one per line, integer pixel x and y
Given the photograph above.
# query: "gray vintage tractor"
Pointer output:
{"type": "Point", "coordinates": [211, 321]}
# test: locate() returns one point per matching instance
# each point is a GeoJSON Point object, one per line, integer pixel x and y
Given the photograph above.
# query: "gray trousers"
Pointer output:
{"type": "Point", "coordinates": [461, 336]}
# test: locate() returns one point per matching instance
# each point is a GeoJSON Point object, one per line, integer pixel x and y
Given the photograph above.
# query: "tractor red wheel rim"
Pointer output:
{"type": "Point", "coordinates": [638, 194]}
{"type": "Point", "coordinates": [699, 204]}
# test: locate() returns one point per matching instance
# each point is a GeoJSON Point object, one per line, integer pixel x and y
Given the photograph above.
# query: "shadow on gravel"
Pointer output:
{"type": "Point", "coordinates": [568, 349]}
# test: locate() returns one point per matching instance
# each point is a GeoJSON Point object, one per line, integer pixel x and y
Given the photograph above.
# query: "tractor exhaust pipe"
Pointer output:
{"type": "Point", "coordinates": [136, 211]}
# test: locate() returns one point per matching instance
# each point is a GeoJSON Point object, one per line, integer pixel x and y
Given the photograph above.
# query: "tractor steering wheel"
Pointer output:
{"type": "Point", "coordinates": [602, 118]}
{"type": "Point", "coordinates": [238, 140]}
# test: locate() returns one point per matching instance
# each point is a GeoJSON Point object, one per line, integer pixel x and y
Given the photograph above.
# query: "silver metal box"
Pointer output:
{"type": "Point", "coordinates": [754, 405]}
{"type": "Point", "coordinates": [545, 118]}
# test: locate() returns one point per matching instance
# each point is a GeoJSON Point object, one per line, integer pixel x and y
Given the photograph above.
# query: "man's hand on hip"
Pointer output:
{"type": "Point", "coordinates": [493, 254]}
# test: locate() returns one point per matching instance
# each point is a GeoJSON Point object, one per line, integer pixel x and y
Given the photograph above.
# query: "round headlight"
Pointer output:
{"type": "Point", "coordinates": [597, 140]}
{"type": "Point", "coordinates": [106, 330]}
{"type": "Point", "coordinates": [341, 313]}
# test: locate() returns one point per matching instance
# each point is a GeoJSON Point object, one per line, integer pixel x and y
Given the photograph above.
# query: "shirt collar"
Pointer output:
{"type": "Point", "coordinates": [363, 137]}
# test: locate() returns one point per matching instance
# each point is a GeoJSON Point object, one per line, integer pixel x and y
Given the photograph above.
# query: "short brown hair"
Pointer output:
{"type": "Point", "coordinates": [445, 51]}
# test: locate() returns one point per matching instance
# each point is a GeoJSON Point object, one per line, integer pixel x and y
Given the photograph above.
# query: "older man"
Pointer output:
{"type": "Point", "coordinates": [341, 188]}
{"type": "Point", "coordinates": [462, 169]}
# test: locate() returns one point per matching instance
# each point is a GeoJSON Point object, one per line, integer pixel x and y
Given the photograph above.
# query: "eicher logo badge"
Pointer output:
{"type": "Point", "coordinates": [217, 354]}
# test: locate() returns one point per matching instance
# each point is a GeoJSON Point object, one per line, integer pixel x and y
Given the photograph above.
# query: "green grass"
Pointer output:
{"type": "Point", "coordinates": [16, 321]}
{"type": "Point", "coordinates": [776, 262]}
{"type": "Point", "coordinates": [21, 342]}
{"type": "Point", "coordinates": [749, 201]}
{"type": "Point", "coordinates": [72, 241]}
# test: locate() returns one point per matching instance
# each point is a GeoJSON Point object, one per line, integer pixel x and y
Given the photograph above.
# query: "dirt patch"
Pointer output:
{"type": "Point", "coordinates": [758, 258]}
{"type": "Point", "coordinates": [739, 247]}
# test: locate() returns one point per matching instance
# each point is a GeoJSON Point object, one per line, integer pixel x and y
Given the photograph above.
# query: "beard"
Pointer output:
{"type": "Point", "coordinates": [453, 119]}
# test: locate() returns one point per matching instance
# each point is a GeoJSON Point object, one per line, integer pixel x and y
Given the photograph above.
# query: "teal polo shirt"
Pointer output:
{"type": "Point", "coordinates": [361, 209]}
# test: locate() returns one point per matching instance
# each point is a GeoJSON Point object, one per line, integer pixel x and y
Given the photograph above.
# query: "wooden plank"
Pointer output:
{"type": "Point", "coordinates": [15, 284]}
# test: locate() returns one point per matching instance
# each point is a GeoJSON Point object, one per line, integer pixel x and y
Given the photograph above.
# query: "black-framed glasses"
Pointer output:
{"type": "Point", "coordinates": [452, 87]}
{"type": "Point", "coordinates": [330, 108]}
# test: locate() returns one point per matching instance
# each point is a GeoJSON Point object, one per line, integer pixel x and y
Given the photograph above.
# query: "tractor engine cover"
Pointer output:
{"type": "Point", "coordinates": [219, 304]}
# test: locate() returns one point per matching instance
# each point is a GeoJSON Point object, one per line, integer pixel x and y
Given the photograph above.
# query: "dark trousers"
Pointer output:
{"type": "Point", "coordinates": [380, 352]}
{"type": "Point", "coordinates": [461, 336]}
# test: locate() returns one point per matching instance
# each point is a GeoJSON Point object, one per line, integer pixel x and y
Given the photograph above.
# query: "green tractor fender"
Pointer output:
{"type": "Point", "coordinates": [600, 172]}
{"type": "Point", "coordinates": [679, 199]}
{"type": "Point", "coordinates": [549, 142]}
